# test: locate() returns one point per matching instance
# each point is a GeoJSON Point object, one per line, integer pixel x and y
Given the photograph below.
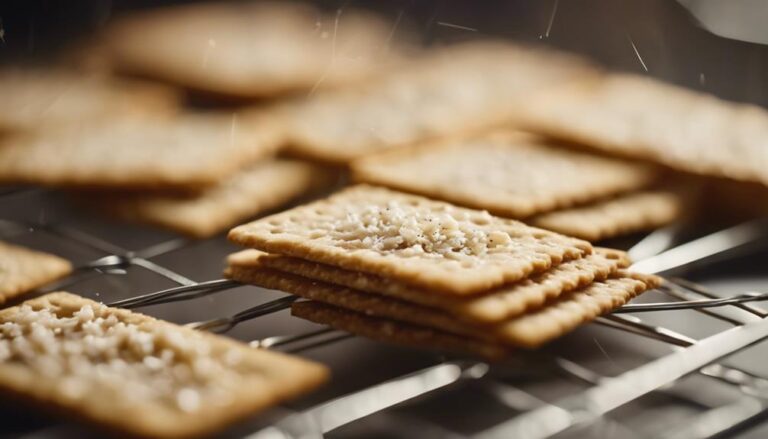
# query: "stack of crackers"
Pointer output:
{"type": "Point", "coordinates": [407, 269]}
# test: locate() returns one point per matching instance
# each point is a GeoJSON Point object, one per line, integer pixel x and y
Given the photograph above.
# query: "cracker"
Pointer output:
{"type": "Point", "coordinates": [644, 118]}
{"type": "Point", "coordinates": [492, 306]}
{"type": "Point", "coordinates": [509, 174]}
{"type": "Point", "coordinates": [33, 97]}
{"type": "Point", "coordinates": [354, 300]}
{"type": "Point", "coordinates": [416, 241]}
{"type": "Point", "coordinates": [529, 330]}
{"type": "Point", "coordinates": [23, 270]}
{"type": "Point", "coordinates": [390, 331]}
{"type": "Point", "coordinates": [574, 309]}
{"type": "Point", "coordinates": [448, 91]}
{"type": "Point", "coordinates": [252, 191]}
{"type": "Point", "coordinates": [252, 49]}
{"type": "Point", "coordinates": [135, 374]}
{"type": "Point", "coordinates": [628, 213]}
{"type": "Point", "coordinates": [187, 152]}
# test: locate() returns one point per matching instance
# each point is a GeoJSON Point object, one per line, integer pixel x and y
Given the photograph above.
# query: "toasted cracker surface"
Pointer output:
{"type": "Point", "coordinates": [32, 98]}
{"type": "Point", "coordinates": [451, 90]}
{"type": "Point", "coordinates": [529, 330]}
{"type": "Point", "coordinates": [640, 117]}
{"type": "Point", "coordinates": [23, 270]}
{"type": "Point", "coordinates": [185, 152]}
{"type": "Point", "coordinates": [411, 239]}
{"type": "Point", "coordinates": [154, 379]}
{"type": "Point", "coordinates": [627, 213]}
{"type": "Point", "coordinates": [250, 49]}
{"type": "Point", "coordinates": [509, 174]}
{"type": "Point", "coordinates": [493, 306]}
{"type": "Point", "coordinates": [395, 332]}
{"type": "Point", "coordinates": [256, 189]}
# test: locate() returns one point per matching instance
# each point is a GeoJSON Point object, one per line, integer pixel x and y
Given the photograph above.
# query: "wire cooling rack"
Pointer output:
{"type": "Point", "coordinates": [665, 366]}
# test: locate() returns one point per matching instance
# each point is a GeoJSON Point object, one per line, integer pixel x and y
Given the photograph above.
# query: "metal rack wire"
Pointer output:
{"type": "Point", "coordinates": [536, 418]}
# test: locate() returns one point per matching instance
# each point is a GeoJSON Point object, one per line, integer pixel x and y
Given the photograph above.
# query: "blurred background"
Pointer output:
{"type": "Point", "coordinates": [657, 37]}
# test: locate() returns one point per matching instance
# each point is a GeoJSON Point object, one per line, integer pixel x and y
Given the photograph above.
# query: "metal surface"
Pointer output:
{"type": "Point", "coordinates": [570, 388]}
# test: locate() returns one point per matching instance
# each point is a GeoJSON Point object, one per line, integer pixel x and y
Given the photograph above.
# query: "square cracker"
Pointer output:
{"type": "Point", "coordinates": [416, 241]}
{"type": "Point", "coordinates": [528, 330]}
{"type": "Point", "coordinates": [132, 373]}
{"type": "Point", "coordinates": [452, 90]}
{"type": "Point", "coordinates": [396, 332]}
{"type": "Point", "coordinates": [187, 152]}
{"type": "Point", "coordinates": [35, 97]}
{"type": "Point", "coordinates": [627, 213]}
{"type": "Point", "coordinates": [253, 49]}
{"type": "Point", "coordinates": [640, 117]}
{"type": "Point", "coordinates": [23, 270]}
{"type": "Point", "coordinates": [259, 188]}
{"type": "Point", "coordinates": [509, 174]}
{"type": "Point", "coordinates": [493, 306]}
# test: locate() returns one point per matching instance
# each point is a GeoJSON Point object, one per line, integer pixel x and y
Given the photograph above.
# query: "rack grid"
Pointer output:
{"type": "Point", "coordinates": [582, 406]}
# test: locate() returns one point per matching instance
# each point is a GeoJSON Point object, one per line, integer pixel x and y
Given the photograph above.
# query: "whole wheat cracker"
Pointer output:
{"type": "Point", "coordinates": [508, 173]}
{"type": "Point", "coordinates": [390, 331]}
{"type": "Point", "coordinates": [492, 306]}
{"type": "Point", "coordinates": [451, 90]}
{"type": "Point", "coordinates": [626, 213]}
{"type": "Point", "coordinates": [187, 152]}
{"type": "Point", "coordinates": [637, 116]}
{"type": "Point", "coordinates": [368, 304]}
{"type": "Point", "coordinates": [527, 330]}
{"type": "Point", "coordinates": [23, 270]}
{"type": "Point", "coordinates": [251, 49]}
{"type": "Point", "coordinates": [249, 192]}
{"type": "Point", "coordinates": [35, 97]}
{"type": "Point", "coordinates": [155, 379]}
{"type": "Point", "coordinates": [573, 309]}
{"type": "Point", "coordinates": [411, 239]}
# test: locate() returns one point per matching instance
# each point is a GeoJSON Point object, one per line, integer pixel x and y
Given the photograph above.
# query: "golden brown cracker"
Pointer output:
{"type": "Point", "coordinates": [365, 303]}
{"type": "Point", "coordinates": [32, 98]}
{"type": "Point", "coordinates": [132, 373]}
{"type": "Point", "coordinates": [451, 90]}
{"type": "Point", "coordinates": [626, 213]}
{"type": "Point", "coordinates": [509, 174]}
{"type": "Point", "coordinates": [528, 330]}
{"type": "Point", "coordinates": [640, 117]}
{"type": "Point", "coordinates": [493, 306]}
{"type": "Point", "coordinates": [416, 241]}
{"type": "Point", "coordinates": [250, 49]}
{"type": "Point", "coordinates": [573, 309]}
{"type": "Point", "coordinates": [390, 331]}
{"type": "Point", "coordinates": [187, 152]}
{"type": "Point", "coordinates": [23, 270]}
{"type": "Point", "coordinates": [252, 191]}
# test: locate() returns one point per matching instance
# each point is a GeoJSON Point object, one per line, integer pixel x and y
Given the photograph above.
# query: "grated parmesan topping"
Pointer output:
{"type": "Point", "coordinates": [410, 231]}
{"type": "Point", "coordinates": [139, 364]}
